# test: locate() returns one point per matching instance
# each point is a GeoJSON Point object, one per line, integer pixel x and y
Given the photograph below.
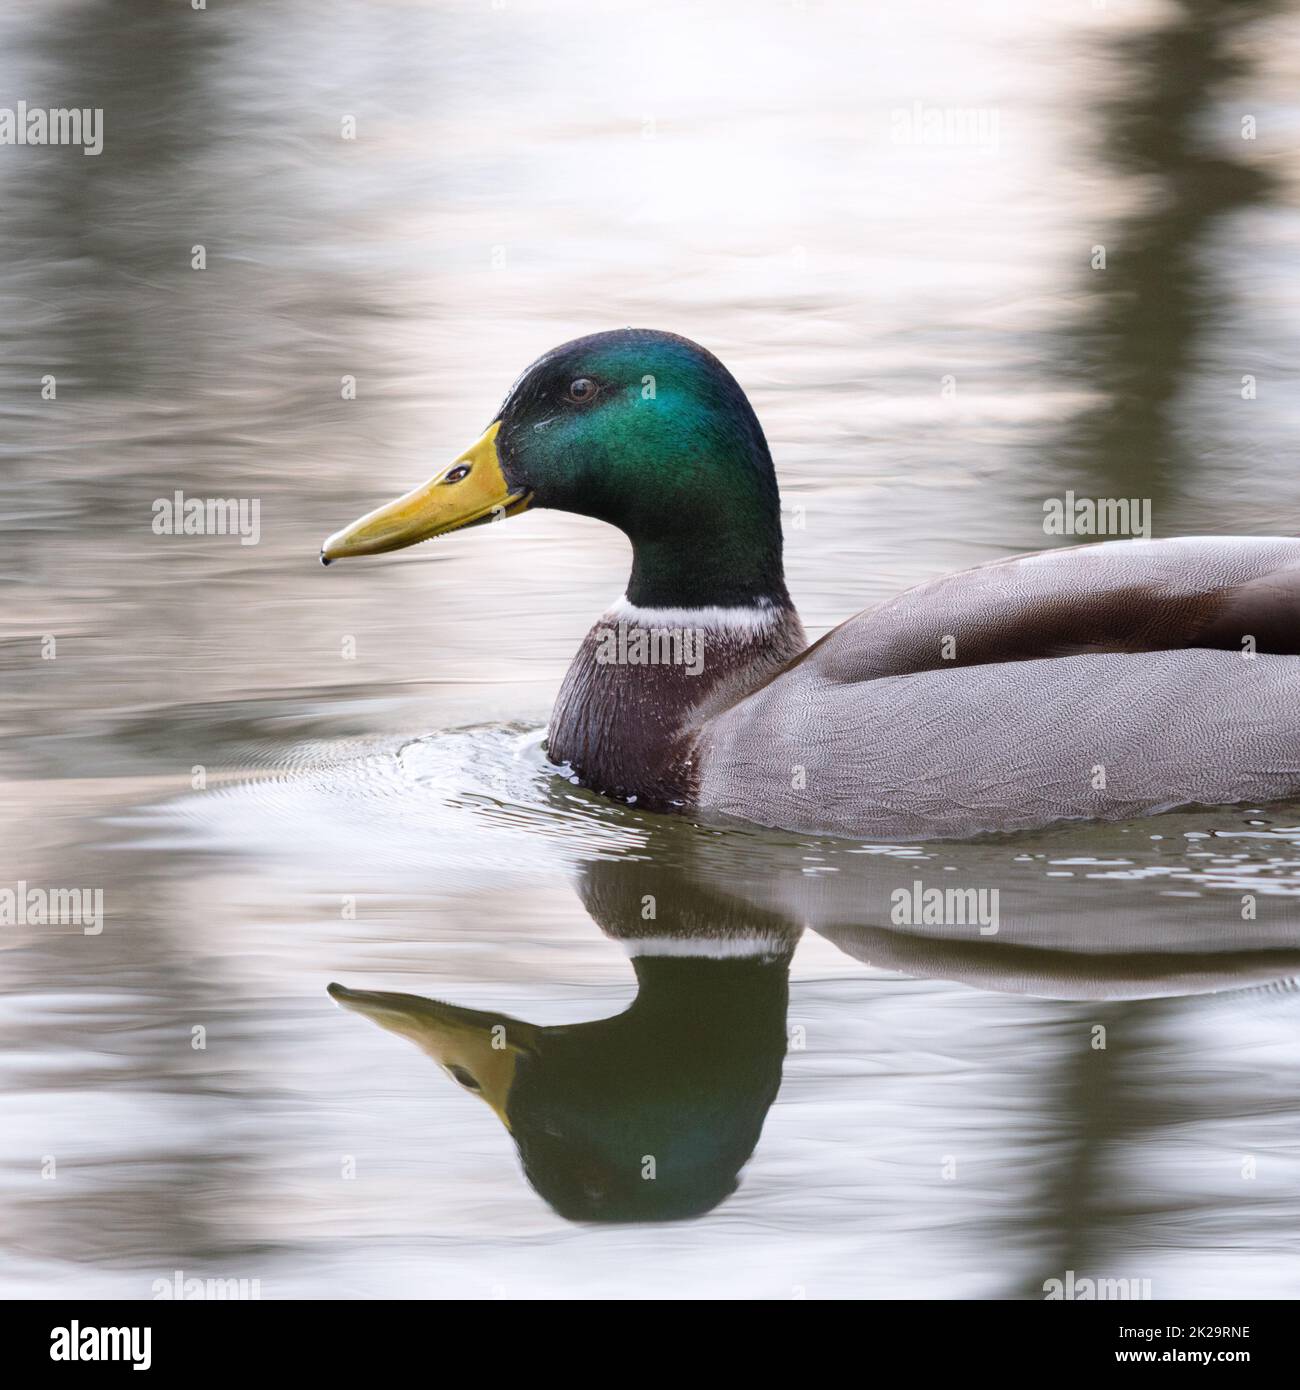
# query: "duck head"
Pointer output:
{"type": "Point", "coordinates": [641, 429]}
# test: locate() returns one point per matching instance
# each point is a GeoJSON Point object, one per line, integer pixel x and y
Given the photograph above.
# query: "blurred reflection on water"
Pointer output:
{"type": "Point", "coordinates": [946, 1124]}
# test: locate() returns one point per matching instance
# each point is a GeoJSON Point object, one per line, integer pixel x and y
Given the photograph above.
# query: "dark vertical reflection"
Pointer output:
{"type": "Point", "coordinates": [97, 254]}
{"type": "Point", "coordinates": [1157, 295]}
{"type": "Point", "coordinates": [1092, 1107]}
{"type": "Point", "coordinates": [103, 230]}
{"type": "Point", "coordinates": [1154, 1134]}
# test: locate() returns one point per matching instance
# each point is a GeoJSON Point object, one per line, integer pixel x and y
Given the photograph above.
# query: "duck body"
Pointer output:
{"type": "Point", "coordinates": [1099, 682]}
{"type": "Point", "coordinates": [1102, 682]}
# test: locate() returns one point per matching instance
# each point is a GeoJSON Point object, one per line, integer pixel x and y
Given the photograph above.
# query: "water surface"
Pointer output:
{"type": "Point", "coordinates": [921, 330]}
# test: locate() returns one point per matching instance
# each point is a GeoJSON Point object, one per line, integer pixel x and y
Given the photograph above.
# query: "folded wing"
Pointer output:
{"type": "Point", "coordinates": [1102, 682]}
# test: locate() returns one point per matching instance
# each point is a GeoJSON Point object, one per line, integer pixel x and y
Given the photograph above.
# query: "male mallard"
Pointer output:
{"type": "Point", "coordinates": [1101, 681]}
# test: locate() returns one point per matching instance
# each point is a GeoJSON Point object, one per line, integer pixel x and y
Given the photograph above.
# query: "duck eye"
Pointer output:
{"type": "Point", "coordinates": [460, 471]}
{"type": "Point", "coordinates": [582, 390]}
{"type": "Point", "coordinates": [464, 1078]}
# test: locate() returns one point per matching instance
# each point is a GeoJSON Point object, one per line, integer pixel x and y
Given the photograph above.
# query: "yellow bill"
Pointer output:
{"type": "Point", "coordinates": [468, 492]}
{"type": "Point", "coordinates": [479, 1051]}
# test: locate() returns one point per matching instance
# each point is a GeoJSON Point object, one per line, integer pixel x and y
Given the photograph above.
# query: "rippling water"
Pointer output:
{"type": "Point", "coordinates": [282, 778]}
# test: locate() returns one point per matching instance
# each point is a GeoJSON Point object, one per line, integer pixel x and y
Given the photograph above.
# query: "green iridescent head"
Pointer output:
{"type": "Point", "coordinates": [644, 430]}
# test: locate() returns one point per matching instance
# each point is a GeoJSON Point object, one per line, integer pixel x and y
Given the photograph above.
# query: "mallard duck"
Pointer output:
{"type": "Point", "coordinates": [1101, 681]}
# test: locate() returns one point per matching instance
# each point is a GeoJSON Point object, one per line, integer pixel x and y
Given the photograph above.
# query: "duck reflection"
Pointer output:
{"type": "Point", "coordinates": [650, 1115]}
